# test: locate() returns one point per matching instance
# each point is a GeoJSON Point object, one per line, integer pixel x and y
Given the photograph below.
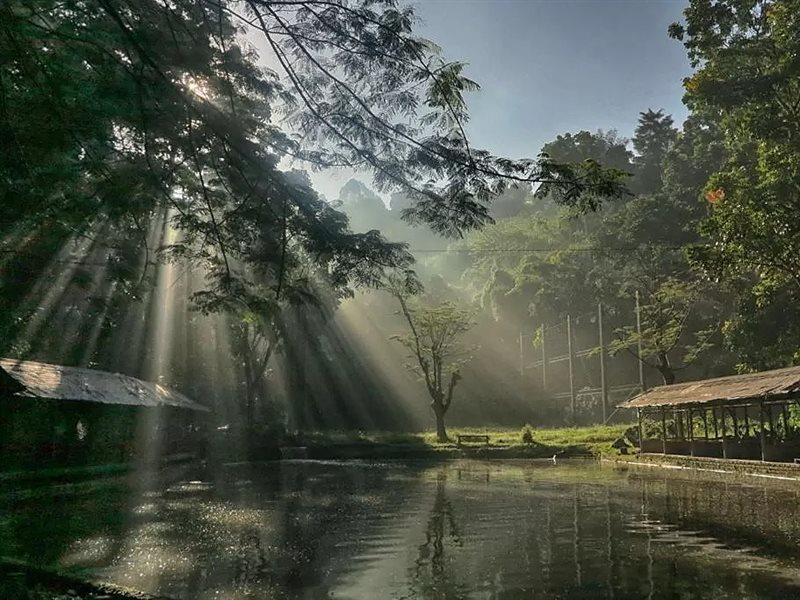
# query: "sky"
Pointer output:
{"type": "Point", "coordinates": [548, 67]}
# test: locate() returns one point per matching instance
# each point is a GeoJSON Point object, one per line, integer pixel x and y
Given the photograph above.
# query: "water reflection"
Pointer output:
{"type": "Point", "coordinates": [431, 577]}
{"type": "Point", "coordinates": [457, 530]}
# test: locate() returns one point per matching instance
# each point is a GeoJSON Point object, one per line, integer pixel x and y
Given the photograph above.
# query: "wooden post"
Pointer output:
{"type": "Point", "coordinates": [664, 428]}
{"type": "Point", "coordinates": [746, 421]}
{"type": "Point", "coordinates": [786, 426]}
{"type": "Point", "coordinates": [705, 422]}
{"type": "Point", "coordinates": [641, 429]}
{"type": "Point", "coordinates": [724, 437]}
{"type": "Point", "coordinates": [714, 419]}
{"type": "Point", "coordinates": [762, 434]}
{"type": "Point", "coordinates": [771, 421]}
{"type": "Point", "coordinates": [571, 368]}
{"type": "Point", "coordinates": [735, 422]}
{"type": "Point", "coordinates": [544, 361]}
{"type": "Point", "coordinates": [603, 388]}
{"type": "Point", "coordinates": [642, 382]}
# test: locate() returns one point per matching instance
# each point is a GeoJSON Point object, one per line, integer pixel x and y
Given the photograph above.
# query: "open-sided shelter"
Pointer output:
{"type": "Point", "coordinates": [746, 416]}
{"type": "Point", "coordinates": [53, 413]}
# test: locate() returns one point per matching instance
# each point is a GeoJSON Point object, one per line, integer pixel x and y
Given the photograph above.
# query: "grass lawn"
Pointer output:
{"type": "Point", "coordinates": [596, 439]}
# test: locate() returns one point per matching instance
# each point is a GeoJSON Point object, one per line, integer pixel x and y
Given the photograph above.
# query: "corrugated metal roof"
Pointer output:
{"type": "Point", "coordinates": [767, 385]}
{"type": "Point", "coordinates": [55, 382]}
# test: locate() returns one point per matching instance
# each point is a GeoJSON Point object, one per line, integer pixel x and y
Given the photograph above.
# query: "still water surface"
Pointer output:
{"type": "Point", "coordinates": [467, 529]}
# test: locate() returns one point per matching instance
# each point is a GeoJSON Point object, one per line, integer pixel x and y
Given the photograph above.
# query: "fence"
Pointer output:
{"type": "Point", "coordinates": [571, 361]}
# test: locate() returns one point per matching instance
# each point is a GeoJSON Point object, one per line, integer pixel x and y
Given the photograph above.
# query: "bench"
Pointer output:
{"type": "Point", "coordinates": [477, 439]}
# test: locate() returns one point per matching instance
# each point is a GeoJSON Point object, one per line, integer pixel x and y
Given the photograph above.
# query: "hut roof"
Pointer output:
{"type": "Point", "coordinates": [55, 382]}
{"type": "Point", "coordinates": [766, 385]}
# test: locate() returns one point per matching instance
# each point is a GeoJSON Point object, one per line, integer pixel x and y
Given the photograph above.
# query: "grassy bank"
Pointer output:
{"type": "Point", "coordinates": [503, 442]}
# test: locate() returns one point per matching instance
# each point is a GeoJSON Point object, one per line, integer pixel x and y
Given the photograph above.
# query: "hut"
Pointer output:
{"type": "Point", "coordinates": [53, 414]}
{"type": "Point", "coordinates": [741, 416]}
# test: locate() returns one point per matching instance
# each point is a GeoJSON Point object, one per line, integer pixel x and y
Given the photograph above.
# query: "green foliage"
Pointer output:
{"type": "Point", "coordinates": [547, 264]}
{"type": "Point", "coordinates": [747, 78]}
{"type": "Point", "coordinates": [120, 118]}
{"type": "Point", "coordinates": [653, 138]}
{"type": "Point", "coordinates": [434, 342]}
{"type": "Point", "coordinates": [677, 318]}
{"type": "Point", "coordinates": [527, 434]}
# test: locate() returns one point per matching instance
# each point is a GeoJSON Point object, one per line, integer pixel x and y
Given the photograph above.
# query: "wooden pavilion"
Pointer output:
{"type": "Point", "coordinates": [30, 379]}
{"type": "Point", "coordinates": [53, 413]}
{"type": "Point", "coordinates": [740, 416]}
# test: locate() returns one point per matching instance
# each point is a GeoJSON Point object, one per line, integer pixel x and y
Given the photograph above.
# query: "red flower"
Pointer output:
{"type": "Point", "coordinates": [715, 196]}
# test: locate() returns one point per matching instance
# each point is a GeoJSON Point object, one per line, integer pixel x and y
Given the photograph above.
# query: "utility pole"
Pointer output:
{"type": "Point", "coordinates": [544, 360]}
{"type": "Point", "coordinates": [642, 382]}
{"type": "Point", "coordinates": [521, 358]}
{"type": "Point", "coordinates": [571, 368]}
{"type": "Point", "coordinates": [603, 384]}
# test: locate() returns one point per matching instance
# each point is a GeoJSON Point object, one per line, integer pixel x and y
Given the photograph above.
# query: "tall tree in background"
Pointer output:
{"type": "Point", "coordinates": [654, 135]}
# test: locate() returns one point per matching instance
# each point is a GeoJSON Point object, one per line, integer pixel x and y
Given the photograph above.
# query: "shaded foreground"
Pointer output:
{"type": "Point", "coordinates": [457, 529]}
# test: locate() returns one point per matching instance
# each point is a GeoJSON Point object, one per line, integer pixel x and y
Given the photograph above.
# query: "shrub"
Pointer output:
{"type": "Point", "coordinates": [527, 434]}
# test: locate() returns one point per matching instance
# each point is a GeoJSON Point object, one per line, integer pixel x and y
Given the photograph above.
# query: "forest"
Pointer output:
{"type": "Point", "coordinates": [157, 218]}
{"type": "Point", "coordinates": [368, 299]}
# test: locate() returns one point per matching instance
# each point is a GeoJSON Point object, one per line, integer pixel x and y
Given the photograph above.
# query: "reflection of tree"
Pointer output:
{"type": "Point", "coordinates": [431, 578]}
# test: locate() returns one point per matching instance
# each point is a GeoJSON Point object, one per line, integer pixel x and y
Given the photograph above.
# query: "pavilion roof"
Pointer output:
{"type": "Point", "coordinates": [751, 387]}
{"type": "Point", "coordinates": [24, 378]}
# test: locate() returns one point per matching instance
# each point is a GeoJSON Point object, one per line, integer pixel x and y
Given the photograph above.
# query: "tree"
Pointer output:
{"type": "Point", "coordinates": [115, 116]}
{"type": "Point", "coordinates": [677, 327]}
{"type": "Point", "coordinates": [747, 80]}
{"type": "Point", "coordinates": [123, 113]}
{"type": "Point", "coordinates": [538, 267]}
{"type": "Point", "coordinates": [652, 139]}
{"type": "Point", "coordinates": [360, 91]}
{"type": "Point", "coordinates": [434, 342]}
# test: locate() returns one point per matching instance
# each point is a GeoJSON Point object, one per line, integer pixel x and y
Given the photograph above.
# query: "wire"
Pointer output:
{"type": "Point", "coordinates": [558, 249]}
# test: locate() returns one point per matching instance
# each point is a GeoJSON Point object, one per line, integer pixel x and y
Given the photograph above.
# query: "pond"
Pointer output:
{"type": "Point", "coordinates": [461, 529]}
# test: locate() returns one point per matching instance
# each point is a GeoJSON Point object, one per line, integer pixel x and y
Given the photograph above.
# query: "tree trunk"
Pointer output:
{"type": "Point", "coordinates": [663, 366]}
{"type": "Point", "coordinates": [441, 432]}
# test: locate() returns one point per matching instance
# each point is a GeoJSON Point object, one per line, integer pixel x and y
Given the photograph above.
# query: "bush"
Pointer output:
{"type": "Point", "coordinates": [527, 434]}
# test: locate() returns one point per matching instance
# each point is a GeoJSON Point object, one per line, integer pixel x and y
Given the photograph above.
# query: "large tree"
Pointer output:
{"type": "Point", "coordinates": [747, 79]}
{"type": "Point", "coordinates": [117, 115]}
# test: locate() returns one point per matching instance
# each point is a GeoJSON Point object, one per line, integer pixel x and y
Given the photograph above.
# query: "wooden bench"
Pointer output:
{"type": "Point", "coordinates": [477, 439]}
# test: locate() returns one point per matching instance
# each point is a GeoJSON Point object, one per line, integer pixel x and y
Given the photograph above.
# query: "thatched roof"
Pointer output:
{"type": "Point", "coordinates": [54, 382]}
{"type": "Point", "coordinates": [767, 385]}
